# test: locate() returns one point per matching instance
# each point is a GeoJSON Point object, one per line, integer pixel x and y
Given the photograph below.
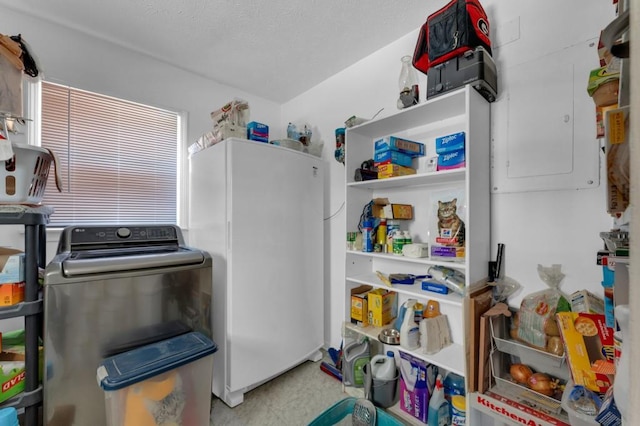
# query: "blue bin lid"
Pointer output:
{"type": "Point", "coordinates": [139, 364]}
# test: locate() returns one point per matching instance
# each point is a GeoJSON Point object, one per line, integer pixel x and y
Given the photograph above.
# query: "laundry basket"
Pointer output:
{"type": "Point", "coordinates": [344, 408]}
{"type": "Point", "coordinates": [24, 176]}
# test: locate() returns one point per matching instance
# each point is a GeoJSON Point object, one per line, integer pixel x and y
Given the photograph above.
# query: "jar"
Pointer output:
{"type": "Point", "coordinates": [408, 84]}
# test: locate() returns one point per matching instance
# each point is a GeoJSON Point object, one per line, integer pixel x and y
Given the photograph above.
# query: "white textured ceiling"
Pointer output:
{"type": "Point", "coordinates": [275, 49]}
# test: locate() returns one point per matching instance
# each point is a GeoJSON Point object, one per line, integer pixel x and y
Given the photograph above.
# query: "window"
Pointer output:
{"type": "Point", "coordinates": [118, 160]}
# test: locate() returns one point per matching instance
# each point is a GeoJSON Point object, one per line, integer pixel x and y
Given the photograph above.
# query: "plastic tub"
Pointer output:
{"type": "Point", "coordinates": [172, 376]}
{"type": "Point", "coordinates": [344, 408]}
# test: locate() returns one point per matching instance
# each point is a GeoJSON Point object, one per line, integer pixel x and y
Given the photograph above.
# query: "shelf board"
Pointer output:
{"type": "Point", "coordinates": [432, 111]}
{"type": "Point", "coordinates": [405, 259]}
{"type": "Point", "coordinates": [452, 358]}
{"type": "Point", "coordinates": [413, 290]}
{"type": "Point", "coordinates": [21, 309]}
{"type": "Point", "coordinates": [420, 179]}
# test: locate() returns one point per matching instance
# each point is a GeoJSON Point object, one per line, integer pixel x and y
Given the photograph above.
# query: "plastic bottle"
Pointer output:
{"type": "Point", "coordinates": [392, 226]}
{"type": "Point", "coordinates": [383, 367]}
{"type": "Point", "coordinates": [453, 385]}
{"type": "Point", "coordinates": [356, 356]}
{"type": "Point", "coordinates": [367, 236]}
{"type": "Point", "coordinates": [398, 240]}
{"type": "Point", "coordinates": [382, 233]}
{"type": "Point", "coordinates": [438, 413]}
{"type": "Point", "coordinates": [409, 331]}
{"type": "Point", "coordinates": [407, 238]}
{"type": "Point", "coordinates": [458, 410]}
{"type": "Point", "coordinates": [433, 309]}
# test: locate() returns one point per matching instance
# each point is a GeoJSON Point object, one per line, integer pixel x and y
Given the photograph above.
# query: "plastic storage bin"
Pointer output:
{"type": "Point", "coordinates": [168, 382]}
{"type": "Point", "coordinates": [343, 408]}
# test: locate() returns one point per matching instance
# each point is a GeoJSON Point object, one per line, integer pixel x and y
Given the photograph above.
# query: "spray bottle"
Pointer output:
{"type": "Point", "coordinates": [409, 331]}
{"type": "Point", "coordinates": [438, 413]}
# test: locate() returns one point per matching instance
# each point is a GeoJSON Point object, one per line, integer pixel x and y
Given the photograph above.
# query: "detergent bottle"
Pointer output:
{"type": "Point", "coordinates": [438, 413]}
{"type": "Point", "coordinates": [383, 367]}
{"type": "Point", "coordinates": [409, 331]}
{"type": "Point", "coordinates": [403, 309]}
{"type": "Point", "coordinates": [356, 356]}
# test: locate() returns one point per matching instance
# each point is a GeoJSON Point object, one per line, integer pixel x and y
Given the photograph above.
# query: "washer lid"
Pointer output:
{"type": "Point", "coordinates": [91, 262]}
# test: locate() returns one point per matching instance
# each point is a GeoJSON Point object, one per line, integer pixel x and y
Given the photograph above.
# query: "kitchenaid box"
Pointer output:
{"type": "Point", "coordinates": [414, 392]}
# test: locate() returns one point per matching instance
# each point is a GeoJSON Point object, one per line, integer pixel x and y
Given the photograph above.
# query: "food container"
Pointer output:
{"type": "Point", "coordinates": [23, 178]}
{"type": "Point", "coordinates": [172, 377]}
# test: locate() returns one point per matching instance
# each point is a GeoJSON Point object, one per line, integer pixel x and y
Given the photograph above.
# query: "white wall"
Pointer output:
{"type": "Point", "coordinates": [68, 57]}
{"type": "Point", "coordinates": [542, 227]}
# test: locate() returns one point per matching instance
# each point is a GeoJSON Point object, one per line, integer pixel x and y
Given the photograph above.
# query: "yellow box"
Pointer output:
{"type": "Point", "coordinates": [10, 294]}
{"type": "Point", "coordinates": [383, 306]}
{"type": "Point", "coordinates": [392, 170]}
{"type": "Point", "coordinates": [588, 343]}
{"type": "Point", "coordinates": [359, 308]}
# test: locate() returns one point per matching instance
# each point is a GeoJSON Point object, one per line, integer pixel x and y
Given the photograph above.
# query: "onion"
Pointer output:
{"type": "Point", "coordinates": [520, 373]}
{"type": "Point", "coordinates": [542, 383]}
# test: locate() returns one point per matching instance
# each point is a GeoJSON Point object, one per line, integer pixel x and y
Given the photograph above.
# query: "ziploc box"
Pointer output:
{"type": "Point", "coordinates": [414, 393]}
{"type": "Point", "coordinates": [451, 160]}
{"type": "Point", "coordinates": [167, 382]}
{"type": "Point", "coordinates": [449, 143]}
{"type": "Point", "coordinates": [257, 132]}
{"type": "Point", "coordinates": [405, 146]}
{"type": "Point", "coordinates": [391, 157]}
{"type": "Point", "coordinates": [383, 306]}
{"type": "Point", "coordinates": [11, 265]}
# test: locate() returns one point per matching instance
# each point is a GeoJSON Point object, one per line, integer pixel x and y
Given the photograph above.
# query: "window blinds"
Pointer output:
{"type": "Point", "coordinates": [117, 159]}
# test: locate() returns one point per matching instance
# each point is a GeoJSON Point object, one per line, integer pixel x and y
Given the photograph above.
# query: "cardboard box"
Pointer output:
{"type": "Point", "coordinates": [405, 146]}
{"type": "Point", "coordinates": [588, 343]}
{"type": "Point", "coordinates": [451, 160]}
{"type": "Point", "coordinates": [12, 364]}
{"type": "Point", "coordinates": [10, 294]}
{"type": "Point", "coordinates": [414, 391]}
{"type": "Point", "coordinates": [382, 209]}
{"type": "Point", "coordinates": [393, 170]}
{"type": "Point", "coordinates": [382, 307]}
{"type": "Point", "coordinates": [359, 307]}
{"type": "Point", "coordinates": [391, 157]}
{"type": "Point", "coordinates": [11, 265]}
{"type": "Point", "coordinates": [257, 132]}
{"type": "Point", "coordinates": [449, 143]}
{"type": "Point", "coordinates": [585, 301]}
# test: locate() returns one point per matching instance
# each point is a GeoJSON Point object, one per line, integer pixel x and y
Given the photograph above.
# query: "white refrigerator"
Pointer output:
{"type": "Point", "coordinates": [258, 210]}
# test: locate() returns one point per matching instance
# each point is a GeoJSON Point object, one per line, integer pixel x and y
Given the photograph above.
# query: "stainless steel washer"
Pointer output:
{"type": "Point", "coordinates": [109, 289]}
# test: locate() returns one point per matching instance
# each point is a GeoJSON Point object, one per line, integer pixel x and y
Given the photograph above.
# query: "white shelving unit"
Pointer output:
{"type": "Point", "coordinates": [461, 111]}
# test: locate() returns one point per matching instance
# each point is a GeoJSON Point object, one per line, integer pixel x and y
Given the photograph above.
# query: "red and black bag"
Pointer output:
{"type": "Point", "coordinates": [459, 26]}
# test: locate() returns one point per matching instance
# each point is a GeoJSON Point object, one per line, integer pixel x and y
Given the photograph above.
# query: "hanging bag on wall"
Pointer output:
{"type": "Point", "coordinates": [459, 26]}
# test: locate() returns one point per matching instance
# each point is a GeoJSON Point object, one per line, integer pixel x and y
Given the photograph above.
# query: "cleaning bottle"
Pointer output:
{"type": "Point", "coordinates": [433, 309]}
{"type": "Point", "coordinates": [367, 236]}
{"type": "Point", "coordinates": [438, 413]}
{"type": "Point", "coordinates": [401, 312]}
{"type": "Point", "coordinates": [382, 233]}
{"type": "Point", "coordinates": [409, 331]}
{"type": "Point", "coordinates": [453, 385]}
{"type": "Point", "coordinates": [356, 356]}
{"type": "Point", "coordinates": [383, 367]}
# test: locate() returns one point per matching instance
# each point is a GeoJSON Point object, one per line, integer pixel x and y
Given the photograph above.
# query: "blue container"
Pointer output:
{"type": "Point", "coordinates": [9, 417]}
{"type": "Point", "coordinates": [341, 409]}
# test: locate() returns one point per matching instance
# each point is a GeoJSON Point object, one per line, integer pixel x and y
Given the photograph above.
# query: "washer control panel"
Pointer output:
{"type": "Point", "coordinates": [117, 234]}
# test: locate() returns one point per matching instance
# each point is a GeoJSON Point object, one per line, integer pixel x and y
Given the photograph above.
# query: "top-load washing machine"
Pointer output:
{"type": "Point", "coordinates": [110, 289]}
